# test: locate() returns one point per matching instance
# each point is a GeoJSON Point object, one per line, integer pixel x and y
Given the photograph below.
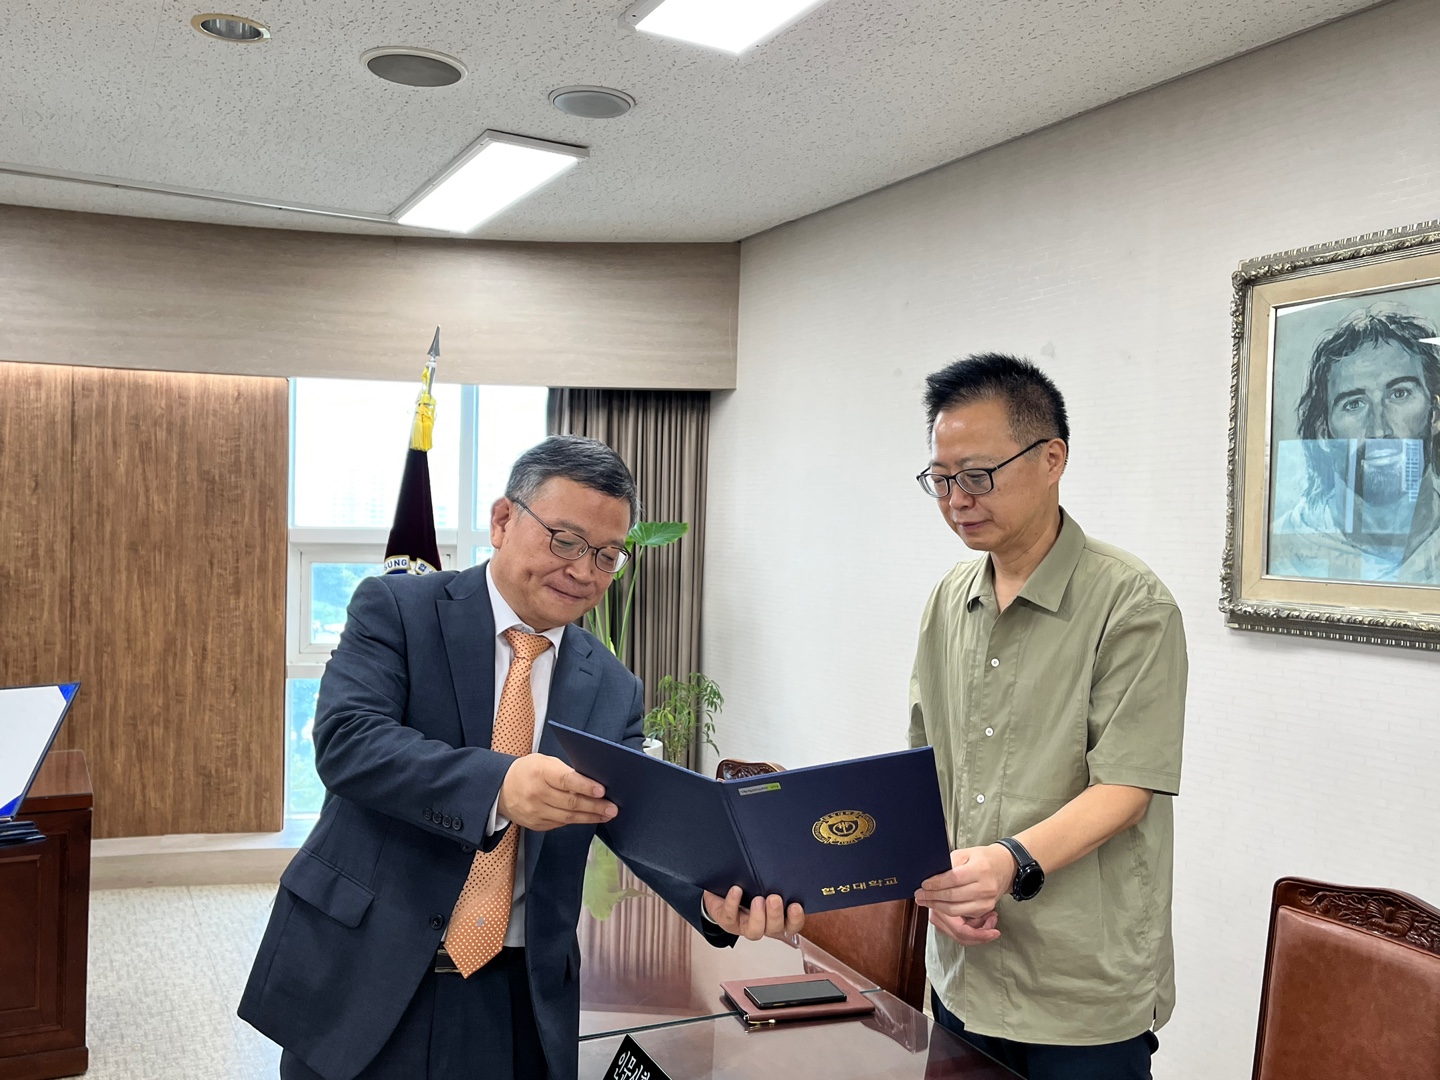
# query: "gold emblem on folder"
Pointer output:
{"type": "Point", "coordinates": [844, 827]}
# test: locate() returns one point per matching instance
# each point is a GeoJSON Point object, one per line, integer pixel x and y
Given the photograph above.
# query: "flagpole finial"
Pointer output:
{"type": "Point", "coordinates": [422, 430]}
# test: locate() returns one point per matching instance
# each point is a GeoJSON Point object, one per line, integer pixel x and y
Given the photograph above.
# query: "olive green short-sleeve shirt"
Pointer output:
{"type": "Point", "coordinates": [1080, 681]}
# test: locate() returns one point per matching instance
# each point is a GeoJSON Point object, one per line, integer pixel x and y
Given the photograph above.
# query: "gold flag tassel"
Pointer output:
{"type": "Point", "coordinates": [422, 431]}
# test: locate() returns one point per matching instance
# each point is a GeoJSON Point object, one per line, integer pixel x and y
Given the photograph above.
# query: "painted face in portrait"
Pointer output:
{"type": "Point", "coordinates": [544, 589]}
{"type": "Point", "coordinates": [1378, 395]}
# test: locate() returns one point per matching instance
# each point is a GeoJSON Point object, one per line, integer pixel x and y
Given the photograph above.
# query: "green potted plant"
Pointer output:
{"type": "Point", "coordinates": [602, 620]}
{"type": "Point", "coordinates": [610, 622]}
{"type": "Point", "coordinates": [684, 712]}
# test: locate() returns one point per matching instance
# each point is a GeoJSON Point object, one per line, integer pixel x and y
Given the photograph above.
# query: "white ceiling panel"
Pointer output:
{"type": "Point", "coordinates": [856, 95]}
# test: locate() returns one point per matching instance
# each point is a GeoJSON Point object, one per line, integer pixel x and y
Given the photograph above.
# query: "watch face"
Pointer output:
{"type": "Point", "coordinates": [1028, 882]}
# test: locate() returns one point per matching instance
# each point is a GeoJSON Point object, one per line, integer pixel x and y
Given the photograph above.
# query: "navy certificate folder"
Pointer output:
{"type": "Point", "coordinates": [826, 836]}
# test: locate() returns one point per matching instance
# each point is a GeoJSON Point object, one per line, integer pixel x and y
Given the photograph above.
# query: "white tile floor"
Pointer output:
{"type": "Point", "coordinates": [166, 970]}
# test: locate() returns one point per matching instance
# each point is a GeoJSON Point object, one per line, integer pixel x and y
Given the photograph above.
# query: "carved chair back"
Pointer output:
{"type": "Point", "coordinates": [730, 769]}
{"type": "Point", "coordinates": [1352, 985]}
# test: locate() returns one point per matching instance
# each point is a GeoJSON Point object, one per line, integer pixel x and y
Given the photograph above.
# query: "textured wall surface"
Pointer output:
{"type": "Point", "coordinates": [132, 293]}
{"type": "Point", "coordinates": [1103, 248]}
{"type": "Point", "coordinates": [143, 519]}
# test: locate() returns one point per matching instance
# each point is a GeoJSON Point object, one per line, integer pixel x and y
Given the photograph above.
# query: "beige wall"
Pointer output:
{"type": "Point", "coordinates": [1103, 248]}
{"type": "Point", "coordinates": [130, 292]}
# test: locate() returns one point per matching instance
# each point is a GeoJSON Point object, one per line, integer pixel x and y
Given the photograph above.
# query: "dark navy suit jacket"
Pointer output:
{"type": "Point", "coordinates": [402, 737]}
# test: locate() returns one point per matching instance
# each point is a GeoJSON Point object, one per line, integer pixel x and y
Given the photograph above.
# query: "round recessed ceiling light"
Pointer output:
{"type": "Point", "coordinates": [413, 67]}
{"type": "Point", "coordinates": [592, 102]}
{"type": "Point", "coordinates": [230, 28]}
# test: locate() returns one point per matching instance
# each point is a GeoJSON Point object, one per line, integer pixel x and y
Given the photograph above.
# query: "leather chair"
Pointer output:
{"type": "Point", "coordinates": [730, 769]}
{"type": "Point", "coordinates": [1352, 985]}
{"type": "Point", "coordinates": [884, 942]}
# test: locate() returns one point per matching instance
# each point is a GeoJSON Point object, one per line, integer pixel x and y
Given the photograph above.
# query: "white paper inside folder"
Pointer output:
{"type": "Point", "coordinates": [30, 716]}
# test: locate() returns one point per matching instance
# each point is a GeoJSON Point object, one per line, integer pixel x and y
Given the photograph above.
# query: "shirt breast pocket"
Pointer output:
{"type": "Point", "coordinates": [1018, 813]}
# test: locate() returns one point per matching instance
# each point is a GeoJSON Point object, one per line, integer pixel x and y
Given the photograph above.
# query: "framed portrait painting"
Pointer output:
{"type": "Point", "coordinates": [1334, 492]}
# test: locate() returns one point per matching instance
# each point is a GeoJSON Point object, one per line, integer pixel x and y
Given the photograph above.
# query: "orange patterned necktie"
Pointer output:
{"type": "Point", "coordinates": [482, 914]}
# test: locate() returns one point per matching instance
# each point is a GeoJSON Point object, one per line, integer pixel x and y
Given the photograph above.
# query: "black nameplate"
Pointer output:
{"type": "Point", "coordinates": [632, 1063]}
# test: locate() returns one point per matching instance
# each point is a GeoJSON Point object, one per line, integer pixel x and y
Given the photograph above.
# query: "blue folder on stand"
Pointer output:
{"type": "Point", "coordinates": [30, 717]}
{"type": "Point", "coordinates": [827, 836]}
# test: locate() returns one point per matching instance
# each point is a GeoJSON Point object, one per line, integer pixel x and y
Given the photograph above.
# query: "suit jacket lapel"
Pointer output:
{"type": "Point", "coordinates": [468, 626]}
{"type": "Point", "coordinates": [572, 695]}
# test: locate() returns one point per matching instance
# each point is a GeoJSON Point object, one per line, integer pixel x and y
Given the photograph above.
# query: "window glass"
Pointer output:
{"type": "Point", "coordinates": [331, 586]}
{"type": "Point", "coordinates": [350, 440]}
{"type": "Point", "coordinates": [306, 793]}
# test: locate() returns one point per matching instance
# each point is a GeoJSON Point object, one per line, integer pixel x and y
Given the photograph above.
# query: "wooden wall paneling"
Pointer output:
{"type": "Point", "coordinates": [178, 604]}
{"type": "Point", "coordinates": [34, 524]}
{"type": "Point", "coordinates": [139, 293]}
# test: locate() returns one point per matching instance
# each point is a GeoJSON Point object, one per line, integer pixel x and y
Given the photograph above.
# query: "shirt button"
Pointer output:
{"type": "Point", "coordinates": [989, 731]}
{"type": "Point", "coordinates": [994, 661]}
{"type": "Point", "coordinates": [980, 798]}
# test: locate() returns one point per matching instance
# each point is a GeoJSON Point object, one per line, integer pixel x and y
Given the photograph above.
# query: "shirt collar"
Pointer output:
{"type": "Point", "coordinates": [1046, 586]}
{"type": "Point", "coordinates": [506, 619]}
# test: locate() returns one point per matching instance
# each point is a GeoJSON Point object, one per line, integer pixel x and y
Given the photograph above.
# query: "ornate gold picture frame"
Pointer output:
{"type": "Point", "coordinates": [1333, 523]}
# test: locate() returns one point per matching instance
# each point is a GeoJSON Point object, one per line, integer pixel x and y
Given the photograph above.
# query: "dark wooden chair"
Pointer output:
{"type": "Point", "coordinates": [730, 769]}
{"type": "Point", "coordinates": [1352, 985]}
{"type": "Point", "coordinates": [884, 942]}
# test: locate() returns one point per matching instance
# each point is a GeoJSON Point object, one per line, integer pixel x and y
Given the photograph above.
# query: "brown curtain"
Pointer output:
{"type": "Point", "coordinates": [664, 437]}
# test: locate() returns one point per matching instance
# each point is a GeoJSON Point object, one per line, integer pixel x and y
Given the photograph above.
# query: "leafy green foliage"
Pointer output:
{"type": "Point", "coordinates": [684, 711]}
{"type": "Point", "coordinates": [601, 890]}
{"type": "Point", "coordinates": [655, 533]}
{"type": "Point", "coordinates": [601, 621]}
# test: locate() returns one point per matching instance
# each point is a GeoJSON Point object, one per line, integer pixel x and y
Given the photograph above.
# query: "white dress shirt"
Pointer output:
{"type": "Point", "coordinates": [541, 673]}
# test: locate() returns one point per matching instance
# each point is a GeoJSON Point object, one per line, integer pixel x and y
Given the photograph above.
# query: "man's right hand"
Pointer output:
{"type": "Point", "coordinates": [967, 929]}
{"type": "Point", "coordinates": [542, 793]}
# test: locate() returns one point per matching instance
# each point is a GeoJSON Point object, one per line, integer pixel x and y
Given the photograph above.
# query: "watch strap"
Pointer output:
{"type": "Point", "coordinates": [1023, 858]}
{"type": "Point", "coordinates": [1025, 866]}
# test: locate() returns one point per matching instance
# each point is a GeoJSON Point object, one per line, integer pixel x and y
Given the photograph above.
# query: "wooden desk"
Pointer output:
{"type": "Point", "coordinates": [896, 1043]}
{"type": "Point", "coordinates": [44, 928]}
{"type": "Point", "coordinates": [644, 966]}
{"type": "Point", "coordinates": [646, 972]}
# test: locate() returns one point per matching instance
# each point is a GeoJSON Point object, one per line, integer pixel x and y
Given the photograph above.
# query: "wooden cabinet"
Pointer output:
{"type": "Point", "coordinates": [44, 928]}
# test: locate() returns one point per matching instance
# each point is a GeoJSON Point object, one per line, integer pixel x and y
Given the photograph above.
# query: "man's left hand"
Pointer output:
{"type": "Point", "coordinates": [976, 880]}
{"type": "Point", "coordinates": [765, 917]}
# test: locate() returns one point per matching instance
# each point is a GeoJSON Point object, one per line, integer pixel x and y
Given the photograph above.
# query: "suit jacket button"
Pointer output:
{"type": "Point", "coordinates": [446, 820]}
{"type": "Point", "coordinates": [437, 922]}
{"type": "Point", "coordinates": [429, 813]}
{"type": "Point", "coordinates": [459, 824]}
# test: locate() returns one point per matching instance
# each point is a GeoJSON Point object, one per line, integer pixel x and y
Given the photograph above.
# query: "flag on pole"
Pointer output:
{"type": "Point", "coordinates": [412, 548]}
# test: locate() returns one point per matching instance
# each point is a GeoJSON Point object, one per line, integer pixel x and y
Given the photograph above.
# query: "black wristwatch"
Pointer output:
{"type": "Point", "coordinates": [1028, 875]}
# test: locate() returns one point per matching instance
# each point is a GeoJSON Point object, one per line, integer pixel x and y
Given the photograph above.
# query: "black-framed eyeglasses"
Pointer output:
{"type": "Point", "coordinates": [572, 546]}
{"type": "Point", "coordinates": [970, 481]}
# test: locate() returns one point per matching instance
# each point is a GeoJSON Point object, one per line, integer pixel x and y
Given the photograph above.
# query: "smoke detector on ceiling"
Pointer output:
{"type": "Point", "coordinates": [230, 28]}
{"type": "Point", "coordinates": [413, 67]}
{"type": "Point", "coordinates": [592, 102]}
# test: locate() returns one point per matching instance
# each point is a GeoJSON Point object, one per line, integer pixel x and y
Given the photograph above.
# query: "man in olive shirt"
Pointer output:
{"type": "Point", "coordinates": [1050, 680]}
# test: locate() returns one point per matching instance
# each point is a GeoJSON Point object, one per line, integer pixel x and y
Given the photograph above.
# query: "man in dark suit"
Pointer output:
{"type": "Point", "coordinates": [427, 926]}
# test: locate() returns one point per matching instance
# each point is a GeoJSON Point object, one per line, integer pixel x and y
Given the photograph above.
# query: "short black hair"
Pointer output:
{"type": "Point", "coordinates": [586, 461]}
{"type": "Point", "coordinates": [1033, 402]}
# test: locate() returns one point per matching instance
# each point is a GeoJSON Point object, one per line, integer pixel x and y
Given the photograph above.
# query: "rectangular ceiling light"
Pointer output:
{"type": "Point", "coordinates": [730, 25]}
{"type": "Point", "coordinates": [494, 172]}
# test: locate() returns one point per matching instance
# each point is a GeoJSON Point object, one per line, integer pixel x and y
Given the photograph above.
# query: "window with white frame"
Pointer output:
{"type": "Point", "coordinates": [348, 441]}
